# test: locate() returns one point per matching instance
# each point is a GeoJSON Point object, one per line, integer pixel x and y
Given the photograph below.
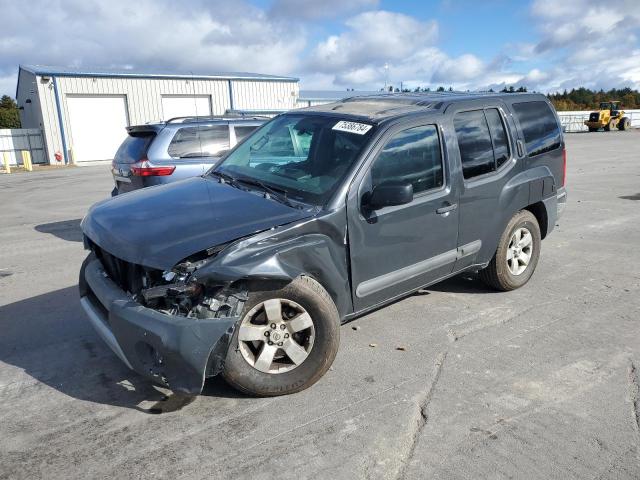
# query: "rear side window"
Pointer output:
{"type": "Point", "coordinates": [243, 131]}
{"type": "Point", "coordinates": [539, 126]}
{"type": "Point", "coordinates": [483, 141]}
{"type": "Point", "coordinates": [474, 141]}
{"type": "Point", "coordinates": [498, 136]}
{"type": "Point", "coordinates": [411, 156]}
{"type": "Point", "coordinates": [205, 141]}
{"type": "Point", "coordinates": [133, 149]}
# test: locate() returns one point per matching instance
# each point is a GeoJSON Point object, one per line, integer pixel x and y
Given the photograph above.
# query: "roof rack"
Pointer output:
{"type": "Point", "coordinates": [226, 116]}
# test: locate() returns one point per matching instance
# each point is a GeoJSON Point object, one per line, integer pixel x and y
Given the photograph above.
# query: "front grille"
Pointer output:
{"type": "Point", "coordinates": [128, 276]}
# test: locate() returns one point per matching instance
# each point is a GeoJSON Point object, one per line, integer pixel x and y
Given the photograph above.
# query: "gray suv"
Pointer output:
{"type": "Point", "coordinates": [179, 148]}
{"type": "Point", "coordinates": [320, 216]}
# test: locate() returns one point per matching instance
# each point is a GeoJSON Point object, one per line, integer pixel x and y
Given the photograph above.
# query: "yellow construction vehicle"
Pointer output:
{"type": "Point", "coordinates": [608, 117]}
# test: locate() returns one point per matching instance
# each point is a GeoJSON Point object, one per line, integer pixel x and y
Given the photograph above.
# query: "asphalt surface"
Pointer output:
{"type": "Point", "coordinates": [539, 383]}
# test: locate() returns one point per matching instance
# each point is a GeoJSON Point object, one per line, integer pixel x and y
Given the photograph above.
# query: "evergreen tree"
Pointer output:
{"type": "Point", "coordinates": [9, 116]}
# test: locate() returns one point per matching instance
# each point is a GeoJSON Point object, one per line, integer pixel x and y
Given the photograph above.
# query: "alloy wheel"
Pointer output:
{"type": "Point", "coordinates": [276, 336]}
{"type": "Point", "coordinates": [519, 251]}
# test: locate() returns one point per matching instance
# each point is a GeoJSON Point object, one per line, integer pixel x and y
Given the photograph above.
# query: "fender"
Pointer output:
{"type": "Point", "coordinates": [531, 187]}
{"type": "Point", "coordinates": [314, 247]}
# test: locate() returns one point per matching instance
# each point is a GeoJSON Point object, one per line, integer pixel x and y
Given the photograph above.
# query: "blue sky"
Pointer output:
{"type": "Point", "coordinates": [546, 45]}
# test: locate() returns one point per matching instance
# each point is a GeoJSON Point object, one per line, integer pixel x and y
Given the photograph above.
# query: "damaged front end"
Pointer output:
{"type": "Point", "coordinates": [162, 324]}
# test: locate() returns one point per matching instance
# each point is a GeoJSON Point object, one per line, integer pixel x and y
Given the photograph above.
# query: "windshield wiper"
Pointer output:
{"type": "Point", "coordinates": [276, 193]}
{"type": "Point", "coordinates": [226, 178]}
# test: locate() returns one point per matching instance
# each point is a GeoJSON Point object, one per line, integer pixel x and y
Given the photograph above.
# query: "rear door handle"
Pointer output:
{"type": "Point", "coordinates": [447, 209]}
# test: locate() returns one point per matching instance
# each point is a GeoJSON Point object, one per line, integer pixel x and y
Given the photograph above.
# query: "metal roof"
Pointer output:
{"type": "Point", "coordinates": [320, 95]}
{"type": "Point", "coordinates": [386, 105]}
{"type": "Point", "coordinates": [126, 73]}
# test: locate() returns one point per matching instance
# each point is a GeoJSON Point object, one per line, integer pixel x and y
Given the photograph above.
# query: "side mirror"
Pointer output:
{"type": "Point", "coordinates": [389, 194]}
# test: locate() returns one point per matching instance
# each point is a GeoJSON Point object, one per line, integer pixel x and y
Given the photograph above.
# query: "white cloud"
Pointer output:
{"type": "Point", "coordinates": [371, 39]}
{"type": "Point", "coordinates": [595, 43]}
{"type": "Point", "coordinates": [200, 36]}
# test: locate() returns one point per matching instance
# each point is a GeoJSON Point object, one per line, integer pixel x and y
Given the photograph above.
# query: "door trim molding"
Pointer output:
{"type": "Point", "coordinates": [468, 249]}
{"type": "Point", "coordinates": [376, 284]}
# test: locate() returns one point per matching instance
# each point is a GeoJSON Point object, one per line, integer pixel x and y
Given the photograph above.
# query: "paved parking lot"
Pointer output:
{"type": "Point", "coordinates": [539, 383]}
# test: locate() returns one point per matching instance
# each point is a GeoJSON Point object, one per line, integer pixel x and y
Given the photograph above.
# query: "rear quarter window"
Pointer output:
{"type": "Point", "coordinates": [243, 131]}
{"type": "Point", "coordinates": [539, 127]}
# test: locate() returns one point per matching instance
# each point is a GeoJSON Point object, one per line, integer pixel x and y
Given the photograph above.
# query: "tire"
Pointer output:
{"type": "Point", "coordinates": [593, 129]}
{"type": "Point", "coordinates": [624, 123]}
{"type": "Point", "coordinates": [610, 126]}
{"type": "Point", "coordinates": [243, 368]}
{"type": "Point", "coordinates": [499, 273]}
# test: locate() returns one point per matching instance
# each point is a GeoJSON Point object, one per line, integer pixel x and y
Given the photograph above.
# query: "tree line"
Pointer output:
{"type": "Point", "coordinates": [574, 99]}
{"type": "Point", "coordinates": [9, 117]}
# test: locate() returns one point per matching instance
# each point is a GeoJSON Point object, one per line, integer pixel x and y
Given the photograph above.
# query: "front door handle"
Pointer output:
{"type": "Point", "coordinates": [449, 208]}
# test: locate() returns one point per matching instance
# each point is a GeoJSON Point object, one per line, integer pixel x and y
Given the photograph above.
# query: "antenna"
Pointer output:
{"type": "Point", "coordinates": [195, 104]}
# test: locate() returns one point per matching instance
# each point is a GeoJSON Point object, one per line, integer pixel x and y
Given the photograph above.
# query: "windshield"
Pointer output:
{"type": "Point", "coordinates": [304, 156]}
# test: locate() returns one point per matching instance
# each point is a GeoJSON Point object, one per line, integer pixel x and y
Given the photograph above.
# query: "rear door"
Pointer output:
{"type": "Point", "coordinates": [399, 248]}
{"type": "Point", "coordinates": [484, 145]}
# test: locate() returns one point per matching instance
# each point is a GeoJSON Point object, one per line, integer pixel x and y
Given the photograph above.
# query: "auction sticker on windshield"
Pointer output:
{"type": "Point", "coordinates": [352, 127]}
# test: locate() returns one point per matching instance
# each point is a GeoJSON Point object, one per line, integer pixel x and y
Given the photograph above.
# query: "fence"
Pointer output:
{"type": "Point", "coordinates": [16, 140]}
{"type": "Point", "coordinates": [574, 121]}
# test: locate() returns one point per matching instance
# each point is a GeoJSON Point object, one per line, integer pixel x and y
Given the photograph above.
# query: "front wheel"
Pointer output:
{"type": "Point", "coordinates": [285, 341]}
{"type": "Point", "coordinates": [610, 126]}
{"type": "Point", "coordinates": [517, 255]}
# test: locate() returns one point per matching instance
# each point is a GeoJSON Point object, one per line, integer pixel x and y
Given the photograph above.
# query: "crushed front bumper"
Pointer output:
{"type": "Point", "coordinates": [173, 351]}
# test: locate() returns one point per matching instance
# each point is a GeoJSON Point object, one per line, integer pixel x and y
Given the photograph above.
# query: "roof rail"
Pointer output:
{"type": "Point", "coordinates": [230, 115]}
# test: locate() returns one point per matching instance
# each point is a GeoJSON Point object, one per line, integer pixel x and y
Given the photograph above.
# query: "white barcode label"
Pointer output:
{"type": "Point", "coordinates": [352, 127]}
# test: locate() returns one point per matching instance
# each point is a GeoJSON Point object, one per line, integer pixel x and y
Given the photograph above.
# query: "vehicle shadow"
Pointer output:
{"type": "Point", "coordinates": [68, 230]}
{"type": "Point", "coordinates": [630, 197]}
{"type": "Point", "coordinates": [463, 283]}
{"type": "Point", "coordinates": [49, 338]}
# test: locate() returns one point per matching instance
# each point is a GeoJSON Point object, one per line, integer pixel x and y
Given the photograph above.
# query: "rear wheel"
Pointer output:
{"type": "Point", "coordinates": [593, 129]}
{"type": "Point", "coordinates": [286, 340]}
{"type": "Point", "coordinates": [624, 123]}
{"type": "Point", "coordinates": [517, 255]}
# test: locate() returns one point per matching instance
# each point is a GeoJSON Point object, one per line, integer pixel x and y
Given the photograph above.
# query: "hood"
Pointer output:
{"type": "Point", "coordinates": [159, 226]}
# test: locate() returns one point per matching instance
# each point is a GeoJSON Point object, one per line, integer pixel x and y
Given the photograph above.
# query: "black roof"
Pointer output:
{"type": "Point", "coordinates": [382, 106]}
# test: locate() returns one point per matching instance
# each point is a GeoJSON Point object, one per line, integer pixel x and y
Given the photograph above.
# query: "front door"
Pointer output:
{"type": "Point", "coordinates": [395, 249]}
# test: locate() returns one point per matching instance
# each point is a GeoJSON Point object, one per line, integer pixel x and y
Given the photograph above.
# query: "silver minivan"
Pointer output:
{"type": "Point", "coordinates": [183, 147]}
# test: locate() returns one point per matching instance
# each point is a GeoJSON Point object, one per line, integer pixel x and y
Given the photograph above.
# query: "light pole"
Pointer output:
{"type": "Point", "coordinates": [386, 75]}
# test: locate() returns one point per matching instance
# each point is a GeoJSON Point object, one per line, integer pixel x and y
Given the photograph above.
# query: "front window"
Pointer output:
{"type": "Point", "coordinates": [305, 156]}
{"type": "Point", "coordinates": [411, 156]}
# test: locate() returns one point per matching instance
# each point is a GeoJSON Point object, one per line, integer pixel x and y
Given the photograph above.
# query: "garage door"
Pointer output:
{"type": "Point", "coordinates": [97, 126]}
{"type": "Point", "coordinates": [185, 106]}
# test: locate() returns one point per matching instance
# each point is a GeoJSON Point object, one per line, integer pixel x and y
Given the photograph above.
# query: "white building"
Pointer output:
{"type": "Point", "coordinates": [84, 112]}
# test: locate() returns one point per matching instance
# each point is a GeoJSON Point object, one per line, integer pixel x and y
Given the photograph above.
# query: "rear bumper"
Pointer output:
{"type": "Point", "coordinates": [562, 201]}
{"type": "Point", "coordinates": [173, 351]}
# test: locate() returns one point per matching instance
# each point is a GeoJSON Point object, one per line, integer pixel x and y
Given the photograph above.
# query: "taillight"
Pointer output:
{"type": "Point", "coordinates": [144, 169]}
{"type": "Point", "coordinates": [564, 165]}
